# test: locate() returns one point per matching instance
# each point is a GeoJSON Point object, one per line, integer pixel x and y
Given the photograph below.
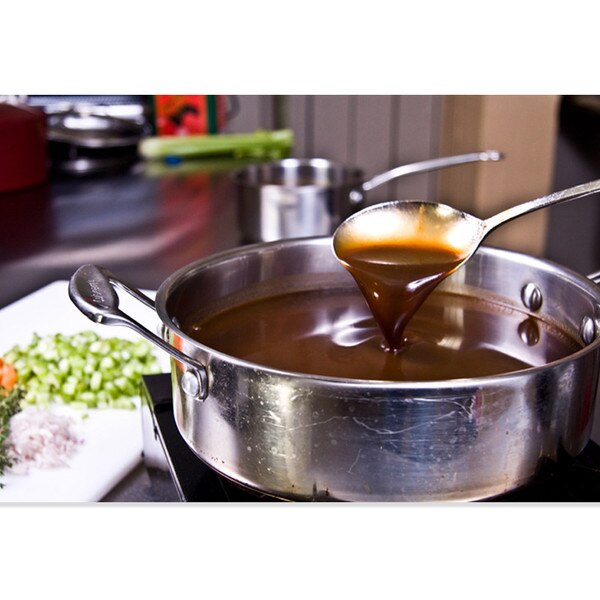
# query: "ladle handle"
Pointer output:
{"type": "Point", "coordinates": [579, 191]}
{"type": "Point", "coordinates": [91, 290]}
{"type": "Point", "coordinates": [430, 165]}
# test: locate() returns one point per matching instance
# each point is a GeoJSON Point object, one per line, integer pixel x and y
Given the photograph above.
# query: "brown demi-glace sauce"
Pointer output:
{"type": "Point", "coordinates": [331, 333]}
{"type": "Point", "coordinates": [396, 278]}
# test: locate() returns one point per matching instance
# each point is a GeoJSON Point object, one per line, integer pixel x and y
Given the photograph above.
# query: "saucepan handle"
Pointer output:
{"type": "Point", "coordinates": [357, 196]}
{"type": "Point", "coordinates": [92, 290]}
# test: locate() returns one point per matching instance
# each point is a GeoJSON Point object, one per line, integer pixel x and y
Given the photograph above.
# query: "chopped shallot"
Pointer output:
{"type": "Point", "coordinates": [42, 438]}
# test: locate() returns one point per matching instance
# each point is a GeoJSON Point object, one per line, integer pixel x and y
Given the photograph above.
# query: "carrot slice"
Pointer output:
{"type": "Point", "coordinates": [8, 376]}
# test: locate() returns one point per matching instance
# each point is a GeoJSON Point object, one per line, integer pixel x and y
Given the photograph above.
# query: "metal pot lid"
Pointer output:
{"type": "Point", "coordinates": [93, 131]}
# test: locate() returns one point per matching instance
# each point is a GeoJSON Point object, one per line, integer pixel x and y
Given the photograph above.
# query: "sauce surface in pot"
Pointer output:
{"type": "Point", "coordinates": [331, 333]}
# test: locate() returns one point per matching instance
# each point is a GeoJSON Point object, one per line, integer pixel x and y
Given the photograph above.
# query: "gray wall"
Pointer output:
{"type": "Point", "coordinates": [374, 133]}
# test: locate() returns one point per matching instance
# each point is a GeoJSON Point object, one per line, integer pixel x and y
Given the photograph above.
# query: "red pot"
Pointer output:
{"type": "Point", "coordinates": [23, 147]}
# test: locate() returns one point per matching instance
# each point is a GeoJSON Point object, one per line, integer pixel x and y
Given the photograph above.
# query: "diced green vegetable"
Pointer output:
{"type": "Point", "coordinates": [82, 370]}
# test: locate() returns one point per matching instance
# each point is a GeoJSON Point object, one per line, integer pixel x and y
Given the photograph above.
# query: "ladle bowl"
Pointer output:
{"type": "Point", "coordinates": [398, 252]}
{"type": "Point", "coordinates": [392, 222]}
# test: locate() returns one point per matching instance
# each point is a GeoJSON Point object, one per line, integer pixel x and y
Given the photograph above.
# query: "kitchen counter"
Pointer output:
{"type": "Point", "coordinates": [142, 224]}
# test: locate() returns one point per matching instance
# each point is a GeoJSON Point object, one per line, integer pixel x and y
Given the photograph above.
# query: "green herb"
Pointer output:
{"type": "Point", "coordinates": [10, 403]}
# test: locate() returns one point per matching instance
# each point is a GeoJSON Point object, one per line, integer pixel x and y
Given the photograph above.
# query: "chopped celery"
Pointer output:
{"type": "Point", "coordinates": [82, 370]}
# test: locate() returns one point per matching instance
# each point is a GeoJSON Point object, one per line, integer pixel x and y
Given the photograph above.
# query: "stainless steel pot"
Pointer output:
{"type": "Point", "coordinates": [305, 437]}
{"type": "Point", "coordinates": [82, 143]}
{"type": "Point", "coordinates": [295, 198]}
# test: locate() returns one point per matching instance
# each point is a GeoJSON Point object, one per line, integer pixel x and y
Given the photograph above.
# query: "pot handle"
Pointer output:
{"type": "Point", "coordinates": [91, 289]}
{"type": "Point", "coordinates": [357, 196]}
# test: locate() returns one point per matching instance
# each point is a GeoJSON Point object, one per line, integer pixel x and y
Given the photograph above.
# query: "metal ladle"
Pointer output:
{"type": "Point", "coordinates": [392, 222]}
{"type": "Point", "coordinates": [399, 251]}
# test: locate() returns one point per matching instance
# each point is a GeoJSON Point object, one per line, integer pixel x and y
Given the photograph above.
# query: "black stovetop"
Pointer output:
{"type": "Point", "coordinates": [196, 482]}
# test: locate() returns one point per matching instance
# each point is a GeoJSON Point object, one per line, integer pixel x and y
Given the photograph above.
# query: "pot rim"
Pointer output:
{"type": "Point", "coordinates": [355, 174]}
{"type": "Point", "coordinates": [572, 276]}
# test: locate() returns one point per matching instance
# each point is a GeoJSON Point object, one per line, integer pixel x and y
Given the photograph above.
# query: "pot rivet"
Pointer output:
{"type": "Point", "coordinates": [588, 330]}
{"type": "Point", "coordinates": [191, 385]}
{"type": "Point", "coordinates": [529, 331]}
{"type": "Point", "coordinates": [532, 298]}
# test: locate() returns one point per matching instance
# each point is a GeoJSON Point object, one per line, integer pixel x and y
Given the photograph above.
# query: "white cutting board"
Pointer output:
{"type": "Point", "coordinates": [112, 439]}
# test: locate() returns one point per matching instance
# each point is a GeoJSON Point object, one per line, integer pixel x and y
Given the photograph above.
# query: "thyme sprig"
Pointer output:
{"type": "Point", "coordinates": [10, 404]}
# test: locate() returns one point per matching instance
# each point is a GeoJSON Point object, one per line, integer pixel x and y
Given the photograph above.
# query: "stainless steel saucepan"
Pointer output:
{"type": "Point", "coordinates": [295, 198]}
{"type": "Point", "coordinates": [307, 437]}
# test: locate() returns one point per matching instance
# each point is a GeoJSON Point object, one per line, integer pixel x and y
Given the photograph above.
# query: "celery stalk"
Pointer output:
{"type": "Point", "coordinates": [260, 144]}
